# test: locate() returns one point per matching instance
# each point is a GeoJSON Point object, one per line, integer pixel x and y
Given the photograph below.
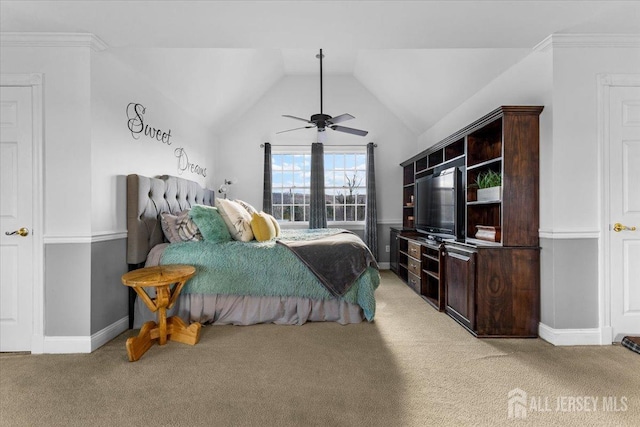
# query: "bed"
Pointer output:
{"type": "Point", "coordinates": [247, 282]}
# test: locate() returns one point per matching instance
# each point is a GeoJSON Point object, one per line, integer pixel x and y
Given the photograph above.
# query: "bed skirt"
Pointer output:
{"type": "Point", "coordinates": [250, 310]}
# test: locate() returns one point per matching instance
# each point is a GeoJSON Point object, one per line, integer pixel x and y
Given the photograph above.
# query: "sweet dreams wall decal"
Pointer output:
{"type": "Point", "coordinates": [138, 127]}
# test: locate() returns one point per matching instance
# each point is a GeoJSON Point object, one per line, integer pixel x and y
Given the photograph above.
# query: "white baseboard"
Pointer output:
{"type": "Point", "coordinates": [82, 344]}
{"type": "Point", "coordinates": [561, 337]}
{"type": "Point", "coordinates": [102, 337]}
{"type": "Point", "coordinates": [66, 345]}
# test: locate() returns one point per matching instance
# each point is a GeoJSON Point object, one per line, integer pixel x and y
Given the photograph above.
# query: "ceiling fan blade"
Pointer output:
{"type": "Point", "coordinates": [341, 118]}
{"type": "Point", "coordinates": [289, 130]}
{"type": "Point", "coordinates": [350, 130]}
{"type": "Point", "coordinates": [297, 118]}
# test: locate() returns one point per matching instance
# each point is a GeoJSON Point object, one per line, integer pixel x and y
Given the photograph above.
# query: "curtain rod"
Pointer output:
{"type": "Point", "coordinates": [338, 145]}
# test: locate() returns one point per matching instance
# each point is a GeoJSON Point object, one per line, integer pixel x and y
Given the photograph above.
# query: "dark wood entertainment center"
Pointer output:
{"type": "Point", "coordinates": [492, 288]}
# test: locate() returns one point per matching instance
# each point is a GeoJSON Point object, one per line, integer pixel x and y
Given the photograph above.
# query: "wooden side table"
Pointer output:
{"type": "Point", "coordinates": [161, 278]}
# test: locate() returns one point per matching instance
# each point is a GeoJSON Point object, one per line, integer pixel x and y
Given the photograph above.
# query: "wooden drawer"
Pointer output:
{"type": "Point", "coordinates": [413, 265]}
{"type": "Point", "coordinates": [414, 249]}
{"type": "Point", "coordinates": [414, 282]}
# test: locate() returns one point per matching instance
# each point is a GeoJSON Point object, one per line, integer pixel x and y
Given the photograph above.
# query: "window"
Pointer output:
{"type": "Point", "coordinates": [344, 182]}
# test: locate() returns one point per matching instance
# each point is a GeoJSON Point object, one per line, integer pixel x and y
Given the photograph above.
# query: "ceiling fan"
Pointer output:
{"type": "Point", "coordinates": [323, 121]}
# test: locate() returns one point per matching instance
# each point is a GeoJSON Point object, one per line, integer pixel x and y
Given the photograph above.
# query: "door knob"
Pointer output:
{"type": "Point", "coordinates": [617, 227]}
{"type": "Point", "coordinates": [21, 232]}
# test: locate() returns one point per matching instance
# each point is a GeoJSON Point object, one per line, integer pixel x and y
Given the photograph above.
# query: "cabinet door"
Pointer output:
{"type": "Point", "coordinates": [393, 255]}
{"type": "Point", "coordinates": [460, 279]}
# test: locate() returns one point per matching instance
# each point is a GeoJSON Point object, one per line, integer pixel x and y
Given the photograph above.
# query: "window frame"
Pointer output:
{"type": "Point", "coordinates": [328, 150]}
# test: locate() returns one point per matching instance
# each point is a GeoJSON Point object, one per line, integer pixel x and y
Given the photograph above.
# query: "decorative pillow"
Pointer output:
{"type": "Point", "coordinates": [247, 206]}
{"type": "Point", "coordinates": [210, 223]}
{"type": "Point", "coordinates": [169, 223]}
{"type": "Point", "coordinates": [276, 225]}
{"type": "Point", "coordinates": [237, 219]}
{"type": "Point", "coordinates": [262, 227]}
{"type": "Point", "coordinates": [187, 229]}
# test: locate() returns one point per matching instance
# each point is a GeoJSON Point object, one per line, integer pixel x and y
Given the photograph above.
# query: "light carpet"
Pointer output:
{"type": "Point", "coordinates": [413, 366]}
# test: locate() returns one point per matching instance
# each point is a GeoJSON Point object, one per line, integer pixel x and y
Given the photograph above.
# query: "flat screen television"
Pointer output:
{"type": "Point", "coordinates": [437, 202]}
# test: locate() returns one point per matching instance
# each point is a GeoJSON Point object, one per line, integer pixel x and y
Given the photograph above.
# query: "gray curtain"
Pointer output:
{"type": "Point", "coordinates": [371, 215]}
{"type": "Point", "coordinates": [267, 193]}
{"type": "Point", "coordinates": [317, 209]}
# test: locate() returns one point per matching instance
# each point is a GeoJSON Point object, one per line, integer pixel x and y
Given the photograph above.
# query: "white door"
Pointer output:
{"type": "Point", "coordinates": [624, 191]}
{"type": "Point", "coordinates": [16, 213]}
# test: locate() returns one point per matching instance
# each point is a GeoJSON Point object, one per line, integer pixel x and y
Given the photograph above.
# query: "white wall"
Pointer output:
{"type": "Point", "coordinates": [240, 154]}
{"type": "Point", "coordinates": [529, 82]}
{"type": "Point", "coordinates": [67, 132]}
{"type": "Point", "coordinates": [575, 139]}
{"type": "Point", "coordinates": [116, 153]}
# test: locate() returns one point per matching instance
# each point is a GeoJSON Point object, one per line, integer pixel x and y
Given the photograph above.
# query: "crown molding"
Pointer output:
{"type": "Point", "coordinates": [588, 40]}
{"type": "Point", "coordinates": [53, 40]}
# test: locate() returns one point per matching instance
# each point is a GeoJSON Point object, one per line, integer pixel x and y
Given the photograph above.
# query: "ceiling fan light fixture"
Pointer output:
{"type": "Point", "coordinates": [321, 120]}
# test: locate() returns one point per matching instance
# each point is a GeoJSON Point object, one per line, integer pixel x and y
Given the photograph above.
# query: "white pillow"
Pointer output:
{"type": "Point", "coordinates": [237, 219]}
{"type": "Point", "coordinates": [247, 206]}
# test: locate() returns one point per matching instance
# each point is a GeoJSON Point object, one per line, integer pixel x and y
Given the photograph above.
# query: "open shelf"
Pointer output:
{"type": "Point", "coordinates": [485, 164]}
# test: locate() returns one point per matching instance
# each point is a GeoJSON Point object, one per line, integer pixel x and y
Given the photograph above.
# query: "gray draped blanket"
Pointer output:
{"type": "Point", "coordinates": [336, 260]}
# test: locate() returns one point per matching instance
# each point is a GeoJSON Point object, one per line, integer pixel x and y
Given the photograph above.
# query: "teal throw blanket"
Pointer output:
{"type": "Point", "coordinates": [263, 269]}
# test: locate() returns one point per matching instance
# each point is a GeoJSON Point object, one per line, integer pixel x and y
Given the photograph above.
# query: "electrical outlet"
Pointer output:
{"type": "Point", "coordinates": [387, 248]}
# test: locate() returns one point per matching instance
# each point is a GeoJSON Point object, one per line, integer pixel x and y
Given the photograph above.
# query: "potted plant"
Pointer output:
{"type": "Point", "coordinates": [489, 184]}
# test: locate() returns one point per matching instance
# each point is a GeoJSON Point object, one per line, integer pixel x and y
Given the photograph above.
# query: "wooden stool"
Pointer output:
{"type": "Point", "coordinates": [161, 278]}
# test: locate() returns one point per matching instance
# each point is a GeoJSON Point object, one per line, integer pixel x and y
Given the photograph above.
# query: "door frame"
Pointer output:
{"type": "Point", "coordinates": [36, 82]}
{"type": "Point", "coordinates": [605, 83]}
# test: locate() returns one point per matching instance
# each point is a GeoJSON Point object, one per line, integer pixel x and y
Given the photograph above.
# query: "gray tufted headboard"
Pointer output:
{"type": "Point", "coordinates": [146, 199]}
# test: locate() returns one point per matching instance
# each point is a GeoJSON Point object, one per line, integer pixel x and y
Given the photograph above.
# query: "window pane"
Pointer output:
{"type": "Point", "coordinates": [299, 199]}
{"type": "Point", "coordinates": [328, 178]}
{"type": "Point", "coordinates": [286, 198]}
{"type": "Point", "coordinates": [328, 162]}
{"type": "Point", "coordinates": [339, 161]}
{"type": "Point", "coordinates": [350, 213]}
{"type": "Point", "coordinates": [276, 162]}
{"type": "Point", "coordinates": [361, 213]}
{"type": "Point", "coordinates": [330, 213]}
{"type": "Point", "coordinates": [276, 198]}
{"type": "Point", "coordinates": [276, 179]}
{"type": "Point", "coordinates": [350, 161]}
{"type": "Point", "coordinates": [298, 162]}
{"type": "Point", "coordinates": [277, 212]}
{"type": "Point", "coordinates": [287, 179]}
{"type": "Point", "coordinates": [339, 199]}
{"type": "Point", "coordinates": [339, 213]}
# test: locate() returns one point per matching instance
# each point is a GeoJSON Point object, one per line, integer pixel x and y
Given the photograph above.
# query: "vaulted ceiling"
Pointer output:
{"type": "Point", "coordinates": [420, 58]}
